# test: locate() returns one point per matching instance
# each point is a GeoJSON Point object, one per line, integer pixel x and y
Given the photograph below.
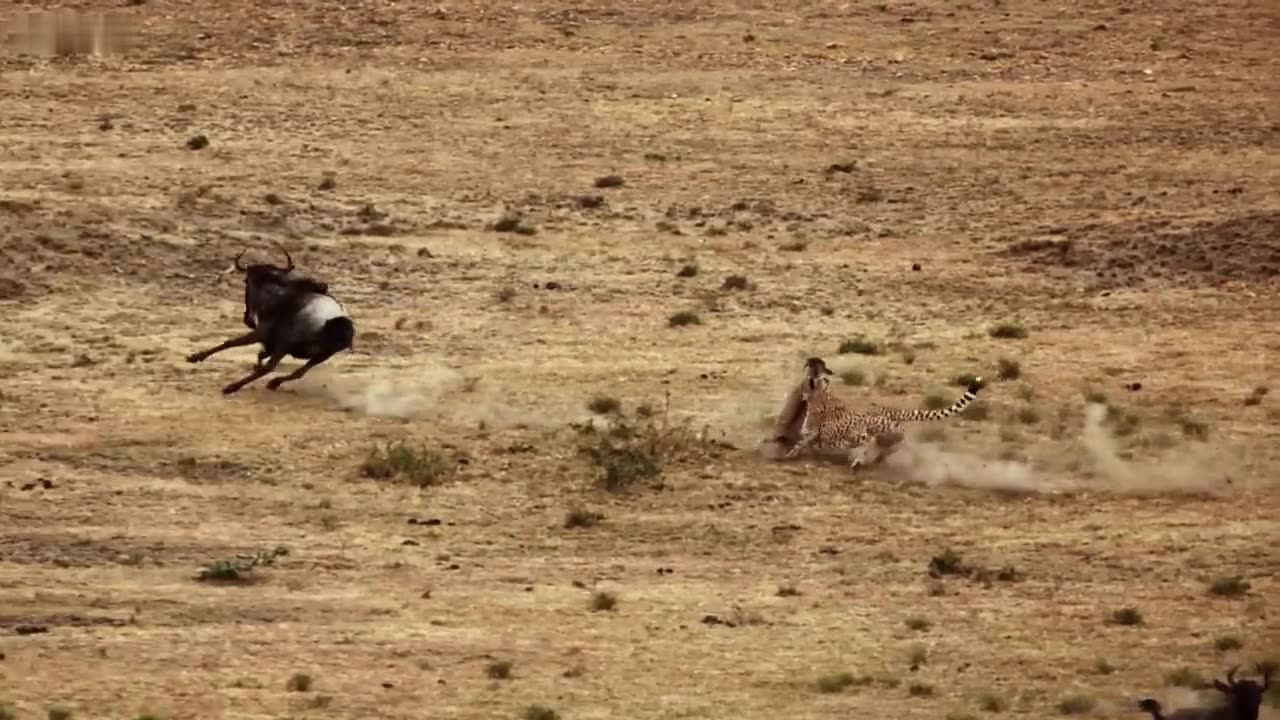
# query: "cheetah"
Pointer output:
{"type": "Point", "coordinates": [829, 423]}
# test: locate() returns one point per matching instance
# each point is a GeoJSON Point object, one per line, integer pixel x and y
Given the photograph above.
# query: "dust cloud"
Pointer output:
{"type": "Point", "coordinates": [433, 391]}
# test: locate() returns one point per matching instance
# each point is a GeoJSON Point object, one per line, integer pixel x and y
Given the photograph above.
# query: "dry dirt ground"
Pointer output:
{"type": "Point", "coordinates": [1100, 175]}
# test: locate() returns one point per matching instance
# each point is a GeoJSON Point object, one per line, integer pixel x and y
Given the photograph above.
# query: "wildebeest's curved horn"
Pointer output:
{"type": "Point", "coordinates": [288, 258]}
{"type": "Point", "coordinates": [237, 264]}
{"type": "Point", "coordinates": [1231, 675]}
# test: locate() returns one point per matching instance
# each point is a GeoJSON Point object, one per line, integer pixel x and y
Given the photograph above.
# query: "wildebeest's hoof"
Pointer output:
{"type": "Point", "coordinates": [230, 388]}
{"type": "Point", "coordinates": [196, 357]}
{"type": "Point", "coordinates": [274, 383]}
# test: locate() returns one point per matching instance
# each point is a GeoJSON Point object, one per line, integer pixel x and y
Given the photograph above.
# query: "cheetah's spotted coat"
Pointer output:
{"type": "Point", "coordinates": [830, 424]}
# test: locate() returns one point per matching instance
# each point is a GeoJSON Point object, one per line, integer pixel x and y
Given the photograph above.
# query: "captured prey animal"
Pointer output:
{"type": "Point", "coordinates": [287, 315]}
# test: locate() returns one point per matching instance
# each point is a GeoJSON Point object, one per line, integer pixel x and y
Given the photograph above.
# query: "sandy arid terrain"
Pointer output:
{"type": "Point", "coordinates": [1076, 201]}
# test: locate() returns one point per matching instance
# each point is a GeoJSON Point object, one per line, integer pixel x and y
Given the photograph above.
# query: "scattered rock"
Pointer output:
{"type": "Point", "coordinates": [327, 183]}
{"type": "Point", "coordinates": [842, 167]}
{"type": "Point", "coordinates": [915, 267]}
{"type": "Point", "coordinates": [590, 201]}
{"type": "Point", "coordinates": [199, 142]}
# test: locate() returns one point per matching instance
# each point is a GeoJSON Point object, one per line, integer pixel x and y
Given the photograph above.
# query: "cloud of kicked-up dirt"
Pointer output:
{"type": "Point", "coordinates": [1097, 453]}
{"type": "Point", "coordinates": [430, 391]}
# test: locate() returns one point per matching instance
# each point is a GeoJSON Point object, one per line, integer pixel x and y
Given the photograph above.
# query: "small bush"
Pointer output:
{"type": "Point", "coordinates": [602, 601]}
{"type": "Point", "coordinates": [540, 712]}
{"type": "Point", "coordinates": [499, 669]}
{"type": "Point", "coordinates": [505, 295]}
{"type": "Point", "coordinates": [1229, 586]}
{"type": "Point", "coordinates": [918, 689]}
{"type": "Point", "coordinates": [239, 569]}
{"type": "Point", "coordinates": [1027, 415]}
{"type": "Point", "coordinates": [1007, 369]}
{"type": "Point", "coordinates": [1127, 616]}
{"type": "Point", "coordinates": [299, 682]}
{"type": "Point", "coordinates": [421, 466]}
{"type": "Point", "coordinates": [1076, 705]}
{"type": "Point", "coordinates": [860, 346]}
{"type": "Point", "coordinates": [788, 591]}
{"type": "Point", "coordinates": [1227, 643]}
{"type": "Point", "coordinates": [1103, 666]}
{"type": "Point", "coordinates": [736, 282]}
{"type": "Point", "coordinates": [687, 271]}
{"type": "Point", "coordinates": [579, 518]}
{"type": "Point", "coordinates": [918, 655]}
{"type": "Point", "coordinates": [948, 562]}
{"type": "Point", "coordinates": [684, 318]}
{"type": "Point", "coordinates": [964, 380]}
{"type": "Point", "coordinates": [1187, 678]}
{"type": "Point", "coordinates": [1008, 331]}
{"type": "Point", "coordinates": [936, 401]}
{"type": "Point", "coordinates": [604, 405]}
{"type": "Point", "coordinates": [835, 682]}
{"type": "Point", "coordinates": [919, 624]}
{"type": "Point", "coordinates": [991, 702]}
{"type": "Point", "coordinates": [854, 377]}
{"type": "Point", "coordinates": [635, 449]}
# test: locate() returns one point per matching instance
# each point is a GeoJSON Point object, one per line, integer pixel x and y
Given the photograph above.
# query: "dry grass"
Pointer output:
{"type": "Point", "coordinates": [685, 210]}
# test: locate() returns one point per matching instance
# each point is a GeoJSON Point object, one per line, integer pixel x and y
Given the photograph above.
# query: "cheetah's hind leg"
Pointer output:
{"type": "Point", "coordinates": [886, 444]}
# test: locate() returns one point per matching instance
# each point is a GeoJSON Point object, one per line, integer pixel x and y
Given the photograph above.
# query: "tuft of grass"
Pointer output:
{"type": "Point", "coordinates": [935, 401]}
{"type": "Point", "coordinates": [958, 715]}
{"type": "Point", "coordinates": [794, 246]}
{"type": "Point", "coordinates": [57, 712]}
{"type": "Point", "coordinates": [1008, 331]}
{"type": "Point", "coordinates": [835, 682]}
{"type": "Point", "coordinates": [540, 712]}
{"type": "Point", "coordinates": [1103, 666]}
{"type": "Point", "coordinates": [860, 346]}
{"type": "Point", "coordinates": [579, 518]}
{"type": "Point", "coordinates": [610, 181]}
{"type": "Point", "coordinates": [788, 591]}
{"type": "Point", "coordinates": [632, 450]}
{"type": "Point", "coordinates": [964, 380]}
{"type": "Point", "coordinates": [1193, 429]}
{"type": "Point", "coordinates": [1187, 678]}
{"type": "Point", "coordinates": [604, 405]}
{"type": "Point", "coordinates": [1227, 643]}
{"type": "Point", "coordinates": [499, 669]}
{"type": "Point", "coordinates": [420, 465]}
{"type": "Point", "coordinates": [948, 562]}
{"type": "Point", "coordinates": [238, 570]}
{"type": "Point", "coordinates": [736, 282]}
{"type": "Point", "coordinates": [1229, 586]}
{"type": "Point", "coordinates": [1077, 704]}
{"type": "Point", "coordinates": [1027, 415]}
{"type": "Point", "coordinates": [854, 377]}
{"type": "Point", "coordinates": [299, 682]}
{"type": "Point", "coordinates": [919, 624]}
{"type": "Point", "coordinates": [919, 689]}
{"type": "Point", "coordinates": [505, 295]}
{"type": "Point", "coordinates": [1127, 616]}
{"type": "Point", "coordinates": [990, 702]}
{"type": "Point", "coordinates": [602, 601]}
{"type": "Point", "coordinates": [6, 712]}
{"type": "Point", "coordinates": [684, 318]}
{"type": "Point", "coordinates": [918, 655]}
{"type": "Point", "coordinates": [687, 270]}
{"type": "Point", "coordinates": [1007, 369]}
